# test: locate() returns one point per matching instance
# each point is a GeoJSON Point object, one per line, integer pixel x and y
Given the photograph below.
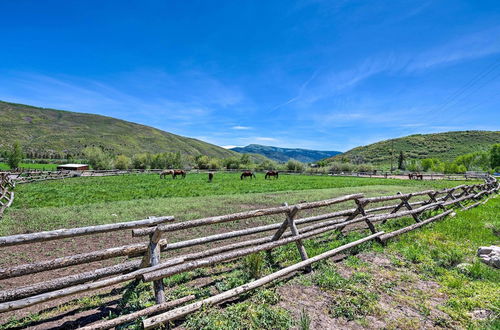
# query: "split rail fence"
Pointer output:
{"type": "Point", "coordinates": [28, 176]}
{"type": "Point", "coordinates": [156, 259]}
{"type": "Point", "coordinates": [6, 192]}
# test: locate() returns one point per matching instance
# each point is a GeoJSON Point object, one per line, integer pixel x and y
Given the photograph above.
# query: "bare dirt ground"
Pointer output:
{"type": "Point", "coordinates": [410, 303]}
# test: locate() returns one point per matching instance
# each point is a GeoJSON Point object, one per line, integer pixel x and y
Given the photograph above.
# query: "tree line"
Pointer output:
{"type": "Point", "coordinates": [100, 160]}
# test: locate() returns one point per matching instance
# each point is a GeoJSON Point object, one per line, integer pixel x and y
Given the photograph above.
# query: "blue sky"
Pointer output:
{"type": "Point", "coordinates": [327, 75]}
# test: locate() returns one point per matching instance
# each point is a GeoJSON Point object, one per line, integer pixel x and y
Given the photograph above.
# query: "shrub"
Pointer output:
{"type": "Point", "coordinates": [15, 156]}
{"type": "Point", "coordinates": [295, 166]}
{"type": "Point", "coordinates": [122, 162]}
{"type": "Point", "coordinates": [98, 159]}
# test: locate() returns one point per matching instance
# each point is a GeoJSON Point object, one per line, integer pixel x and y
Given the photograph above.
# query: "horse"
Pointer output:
{"type": "Point", "coordinates": [173, 173]}
{"type": "Point", "coordinates": [210, 177]}
{"type": "Point", "coordinates": [270, 174]}
{"type": "Point", "coordinates": [246, 174]}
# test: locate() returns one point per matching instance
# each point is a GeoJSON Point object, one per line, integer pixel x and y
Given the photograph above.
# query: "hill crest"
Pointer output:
{"type": "Point", "coordinates": [59, 131]}
{"type": "Point", "coordinates": [443, 146]}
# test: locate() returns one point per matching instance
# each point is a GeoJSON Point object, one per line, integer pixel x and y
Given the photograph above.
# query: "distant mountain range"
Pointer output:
{"type": "Point", "coordinates": [43, 130]}
{"type": "Point", "coordinates": [443, 146]}
{"type": "Point", "coordinates": [285, 154]}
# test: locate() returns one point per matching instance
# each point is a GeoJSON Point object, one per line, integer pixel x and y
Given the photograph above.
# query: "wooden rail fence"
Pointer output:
{"type": "Point", "coordinates": [6, 192]}
{"type": "Point", "coordinates": [153, 260]}
{"type": "Point", "coordinates": [28, 176]}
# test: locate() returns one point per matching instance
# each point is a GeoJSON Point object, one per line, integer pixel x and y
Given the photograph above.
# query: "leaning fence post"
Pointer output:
{"type": "Point", "coordinates": [153, 259]}
{"type": "Point", "coordinates": [361, 210]}
{"type": "Point", "coordinates": [290, 218]}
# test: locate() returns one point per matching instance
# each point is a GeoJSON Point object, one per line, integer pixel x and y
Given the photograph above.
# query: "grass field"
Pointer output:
{"type": "Point", "coordinates": [98, 200]}
{"type": "Point", "coordinates": [43, 167]}
{"type": "Point", "coordinates": [89, 190]}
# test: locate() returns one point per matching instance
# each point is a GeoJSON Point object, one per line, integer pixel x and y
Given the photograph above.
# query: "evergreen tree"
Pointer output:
{"type": "Point", "coordinates": [401, 161]}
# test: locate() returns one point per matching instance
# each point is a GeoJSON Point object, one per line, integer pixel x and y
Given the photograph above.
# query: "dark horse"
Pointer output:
{"type": "Point", "coordinates": [210, 176]}
{"type": "Point", "coordinates": [246, 174]}
{"type": "Point", "coordinates": [416, 176]}
{"type": "Point", "coordinates": [173, 173]}
{"type": "Point", "coordinates": [270, 174]}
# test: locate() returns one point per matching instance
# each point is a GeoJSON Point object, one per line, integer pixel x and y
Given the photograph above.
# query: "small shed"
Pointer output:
{"type": "Point", "coordinates": [73, 167]}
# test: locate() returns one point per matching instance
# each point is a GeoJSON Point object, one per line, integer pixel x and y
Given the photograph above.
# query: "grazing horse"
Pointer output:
{"type": "Point", "coordinates": [246, 174]}
{"type": "Point", "coordinates": [210, 177]}
{"type": "Point", "coordinates": [173, 173]}
{"type": "Point", "coordinates": [416, 176]}
{"type": "Point", "coordinates": [270, 174]}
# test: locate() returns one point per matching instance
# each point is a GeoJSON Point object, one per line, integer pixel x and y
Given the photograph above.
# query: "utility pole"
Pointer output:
{"type": "Point", "coordinates": [392, 154]}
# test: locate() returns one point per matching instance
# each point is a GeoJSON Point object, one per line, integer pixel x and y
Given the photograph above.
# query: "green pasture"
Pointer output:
{"type": "Point", "coordinates": [90, 190]}
{"type": "Point", "coordinates": [43, 167]}
{"type": "Point", "coordinates": [89, 201]}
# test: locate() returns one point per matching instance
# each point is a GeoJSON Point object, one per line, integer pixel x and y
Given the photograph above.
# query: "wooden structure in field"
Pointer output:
{"type": "Point", "coordinates": [73, 167]}
{"type": "Point", "coordinates": [152, 260]}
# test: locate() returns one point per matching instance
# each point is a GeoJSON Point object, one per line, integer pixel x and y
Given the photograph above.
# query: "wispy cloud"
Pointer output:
{"type": "Point", "coordinates": [299, 93]}
{"type": "Point", "coordinates": [467, 47]}
{"type": "Point", "coordinates": [125, 99]}
{"type": "Point", "coordinates": [241, 128]}
{"type": "Point", "coordinates": [262, 138]}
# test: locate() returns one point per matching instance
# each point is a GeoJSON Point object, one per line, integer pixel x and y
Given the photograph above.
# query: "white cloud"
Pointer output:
{"type": "Point", "coordinates": [241, 128]}
{"type": "Point", "coordinates": [261, 138]}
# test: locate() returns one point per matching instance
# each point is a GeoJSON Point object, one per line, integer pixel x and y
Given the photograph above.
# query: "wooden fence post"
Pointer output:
{"type": "Point", "coordinates": [152, 258]}
{"type": "Point", "coordinates": [361, 208]}
{"type": "Point", "coordinates": [290, 218]}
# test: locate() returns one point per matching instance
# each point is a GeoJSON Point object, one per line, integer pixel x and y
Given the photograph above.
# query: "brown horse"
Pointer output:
{"type": "Point", "coordinates": [173, 173]}
{"type": "Point", "coordinates": [247, 174]}
{"type": "Point", "coordinates": [416, 176]}
{"type": "Point", "coordinates": [270, 174]}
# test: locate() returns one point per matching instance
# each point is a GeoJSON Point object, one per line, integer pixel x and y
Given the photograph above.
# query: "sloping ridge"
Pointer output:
{"type": "Point", "coordinates": [48, 130]}
{"type": "Point", "coordinates": [284, 154]}
{"type": "Point", "coordinates": [443, 146]}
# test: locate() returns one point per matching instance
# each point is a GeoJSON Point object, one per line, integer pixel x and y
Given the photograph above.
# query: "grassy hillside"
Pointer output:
{"type": "Point", "coordinates": [284, 154]}
{"type": "Point", "coordinates": [48, 130]}
{"type": "Point", "coordinates": [443, 146]}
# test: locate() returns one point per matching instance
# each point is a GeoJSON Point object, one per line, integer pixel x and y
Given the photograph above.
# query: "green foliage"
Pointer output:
{"type": "Point", "coordinates": [98, 159]}
{"type": "Point", "coordinates": [253, 265]}
{"type": "Point", "coordinates": [122, 162]}
{"type": "Point", "coordinates": [414, 166]}
{"type": "Point", "coordinates": [267, 165]}
{"type": "Point", "coordinates": [142, 161]}
{"type": "Point", "coordinates": [247, 315]}
{"type": "Point", "coordinates": [295, 166]}
{"type": "Point", "coordinates": [495, 155]}
{"type": "Point", "coordinates": [15, 156]}
{"type": "Point", "coordinates": [166, 160]}
{"type": "Point", "coordinates": [401, 161]}
{"type": "Point", "coordinates": [202, 162]}
{"type": "Point", "coordinates": [304, 321]}
{"type": "Point", "coordinates": [231, 163]}
{"type": "Point", "coordinates": [476, 161]}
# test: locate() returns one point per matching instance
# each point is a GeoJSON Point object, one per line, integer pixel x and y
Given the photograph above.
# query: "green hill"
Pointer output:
{"type": "Point", "coordinates": [444, 146]}
{"type": "Point", "coordinates": [43, 130]}
{"type": "Point", "coordinates": [284, 154]}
